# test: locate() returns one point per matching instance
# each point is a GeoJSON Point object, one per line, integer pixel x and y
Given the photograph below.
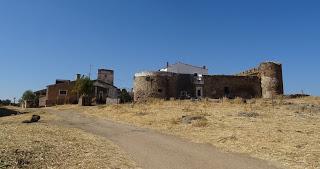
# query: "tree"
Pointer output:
{"type": "Point", "coordinates": [28, 95]}
{"type": "Point", "coordinates": [6, 102]}
{"type": "Point", "coordinates": [83, 86]}
{"type": "Point", "coordinates": [124, 96]}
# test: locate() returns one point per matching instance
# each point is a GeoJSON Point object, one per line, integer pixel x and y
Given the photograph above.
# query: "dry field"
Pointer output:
{"type": "Point", "coordinates": [45, 145]}
{"type": "Point", "coordinates": [284, 131]}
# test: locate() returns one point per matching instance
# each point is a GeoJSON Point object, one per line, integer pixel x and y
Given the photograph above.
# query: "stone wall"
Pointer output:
{"type": "Point", "coordinates": [170, 85]}
{"type": "Point", "coordinates": [264, 81]}
{"type": "Point", "coordinates": [163, 85]}
{"type": "Point", "coordinates": [271, 78]}
{"type": "Point", "coordinates": [152, 84]}
{"type": "Point", "coordinates": [250, 72]}
{"type": "Point", "coordinates": [218, 86]}
{"type": "Point", "coordinates": [106, 75]}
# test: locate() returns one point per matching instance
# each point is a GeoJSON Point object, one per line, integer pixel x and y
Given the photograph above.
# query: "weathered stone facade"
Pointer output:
{"type": "Point", "coordinates": [106, 75]}
{"type": "Point", "coordinates": [270, 74]}
{"type": "Point", "coordinates": [55, 96]}
{"type": "Point", "coordinates": [271, 79]}
{"type": "Point", "coordinates": [264, 81]}
{"type": "Point", "coordinates": [218, 86]}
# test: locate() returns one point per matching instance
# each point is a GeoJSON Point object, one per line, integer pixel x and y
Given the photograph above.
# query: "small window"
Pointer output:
{"type": "Point", "coordinates": [160, 90]}
{"type": "Point", "coordinates": [63, 92]}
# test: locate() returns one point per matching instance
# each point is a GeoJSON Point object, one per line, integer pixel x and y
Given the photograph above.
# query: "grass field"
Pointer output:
{"type": "Point", "coordinates": [284, 131]}
{"type": "Point", "coordinates": [45, 145]}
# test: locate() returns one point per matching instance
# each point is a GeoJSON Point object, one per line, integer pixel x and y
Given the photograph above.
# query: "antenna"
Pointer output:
{"type": "Point", "coordinates": [90, 72]}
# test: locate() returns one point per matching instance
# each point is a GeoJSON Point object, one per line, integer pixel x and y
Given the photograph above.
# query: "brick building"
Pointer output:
{"type": "Point", "coordinates": [62, 91]}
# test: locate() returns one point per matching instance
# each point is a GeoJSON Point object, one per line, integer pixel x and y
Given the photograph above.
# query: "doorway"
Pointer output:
{"type": "Point", "coordinates": [226, 91]}
{"type": "Point", "coordinates": [199, 92]}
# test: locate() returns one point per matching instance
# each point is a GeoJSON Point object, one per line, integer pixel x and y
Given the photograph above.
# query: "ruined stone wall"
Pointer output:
{"type": "Point", "coordinates": [218, 86]}
{"type": "Point", "coordinates": [271, 79]}
{"type": "Point", "coordinates": [163, 85]}
{"type": "Point", "coordinates": [185, 83]}
{"type": "Point", "coordinates": [250, 72]}
{"type": "Point", "coordinates": [151, 85]}
{"type": "Point", "coordinates": [270, 74]}
{"type": "Point", "coordinates": [264, 81]}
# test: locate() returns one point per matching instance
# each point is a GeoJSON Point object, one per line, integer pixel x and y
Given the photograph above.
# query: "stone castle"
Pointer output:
{"type": "Point", "coordinates": [182, 81]}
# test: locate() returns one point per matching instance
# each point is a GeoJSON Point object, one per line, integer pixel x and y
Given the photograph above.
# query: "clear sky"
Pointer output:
{"type": "Point", "coordinates": [42, 40]}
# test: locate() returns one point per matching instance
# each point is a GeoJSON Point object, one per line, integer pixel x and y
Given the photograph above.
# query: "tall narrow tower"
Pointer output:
{"type": "Point", "coordinates": [271, 79]}
{"type": "Point", "coordinates": [106, 75]}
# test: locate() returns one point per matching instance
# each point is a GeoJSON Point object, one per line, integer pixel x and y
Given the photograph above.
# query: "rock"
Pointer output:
{"type": "Point", "coordinates": [189, 118]}
{"type": "Point", "coordinates": [34, 118]}
{"type": "Point", "coordinates": [248, 114]}
{"type": "Point", "coordinates": [293, 96]}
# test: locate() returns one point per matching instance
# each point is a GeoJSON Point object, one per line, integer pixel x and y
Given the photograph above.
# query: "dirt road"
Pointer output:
{"type": "Point", "coordinates": [153, 150]}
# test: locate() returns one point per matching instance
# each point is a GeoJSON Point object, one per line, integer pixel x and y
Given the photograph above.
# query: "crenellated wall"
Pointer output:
{"type": "Point", "coordinates": [250, 72]}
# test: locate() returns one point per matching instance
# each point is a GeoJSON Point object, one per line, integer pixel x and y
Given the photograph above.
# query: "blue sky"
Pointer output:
{"type": "Point", "coordinates": [42, 40]}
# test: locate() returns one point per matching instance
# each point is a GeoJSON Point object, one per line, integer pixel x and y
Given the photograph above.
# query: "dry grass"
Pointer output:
{"type": "Point", "coordinates": [43, 145]}
{"type": "Point", "coordinates": [284, 131]}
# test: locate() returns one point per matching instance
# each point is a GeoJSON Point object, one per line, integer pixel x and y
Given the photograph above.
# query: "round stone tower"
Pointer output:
{"type": "Point", "coordinates": [271, 79]}
{"type": "Point", "coordinates": [151, 85]}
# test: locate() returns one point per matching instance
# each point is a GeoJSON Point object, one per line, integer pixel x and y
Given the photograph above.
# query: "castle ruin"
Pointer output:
{"type": "Point", "coordinates": [264, 81]}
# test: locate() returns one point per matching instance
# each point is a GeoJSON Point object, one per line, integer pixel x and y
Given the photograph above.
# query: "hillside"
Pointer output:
{"type": "Point", "coordinates": [284, 131]}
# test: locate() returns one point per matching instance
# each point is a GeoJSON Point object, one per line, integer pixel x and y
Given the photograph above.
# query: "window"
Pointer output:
{"type": "Point", "coordinates": [63, 92]}
{"type": "Point", "coordinates": [159, 90]}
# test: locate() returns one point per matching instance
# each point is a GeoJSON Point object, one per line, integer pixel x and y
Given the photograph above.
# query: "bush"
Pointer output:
{"type": "Point", "coordinates": [125, 97]}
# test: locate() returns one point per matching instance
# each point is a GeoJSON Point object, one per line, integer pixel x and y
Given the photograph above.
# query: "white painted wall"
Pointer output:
{"type": "Point", "coordinates": [185, 69]}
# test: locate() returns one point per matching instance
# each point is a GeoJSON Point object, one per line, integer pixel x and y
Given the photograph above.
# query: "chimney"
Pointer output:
{"type": "Point", "coordinates": [78, 76]}
{"type": "Point", "coordinates": [167, 64]}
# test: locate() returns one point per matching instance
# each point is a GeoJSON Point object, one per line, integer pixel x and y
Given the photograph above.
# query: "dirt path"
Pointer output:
{"type": "Point", "coordinates": [152, 150]}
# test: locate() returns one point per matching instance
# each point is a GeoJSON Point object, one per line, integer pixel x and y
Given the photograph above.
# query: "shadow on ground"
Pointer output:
{"type": "Point", "coordinates": [8, 112]}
